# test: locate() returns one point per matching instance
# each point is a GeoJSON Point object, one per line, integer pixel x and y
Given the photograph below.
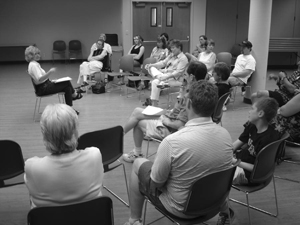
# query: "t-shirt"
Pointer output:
{"type": "Point", "coordinates": [244, 62]}
{"type": "Point", "coordinates": [255, 142]}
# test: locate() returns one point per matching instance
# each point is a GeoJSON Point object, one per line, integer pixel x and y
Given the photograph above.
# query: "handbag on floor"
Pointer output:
{"type": "Point", "coordinates": [98, 88]}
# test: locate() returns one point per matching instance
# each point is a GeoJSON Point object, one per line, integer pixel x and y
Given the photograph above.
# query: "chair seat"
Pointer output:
{"type": "Point", "coordinates": [252, 187]}
{"type": "Point", "coordinates": [183, 221]}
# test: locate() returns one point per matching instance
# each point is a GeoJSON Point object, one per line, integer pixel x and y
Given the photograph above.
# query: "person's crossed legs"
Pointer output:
{"type": "Point", "coordinates": [138, 122]}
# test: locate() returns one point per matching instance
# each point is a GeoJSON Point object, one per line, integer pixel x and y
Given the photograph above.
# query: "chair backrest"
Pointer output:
{"type": "Point", "coordinates": [225, 57]}
{"type": "Point", "coordinates": [106, 63]}
{"type": "Point", "coordinates": [218, 113]}
{"type": "Point", "coordinates": [33, 85]}
{"type": "Point", "coordinates": [209, 193]}
{"type": "Point", "coordinates": [109, 141]}
{"type": "Point", "coordinates": [11, 160]}
{"type": "Point", "coordinates": [126, 63]}
{"type": "Point", "coordinates": [235, 50]}
{"type": "Point", "coordinates": [112, 39]}
{"type": "Point", "coordinates": [59, 46]}
{"type": "Point", "coordinates": [147, 61]}
{"type": "Point", "coordinates": [93, 212]}
{"type": "Point", "coordinates": [265, 162]}
{"type": "Point", "coordinates": [74, 45]}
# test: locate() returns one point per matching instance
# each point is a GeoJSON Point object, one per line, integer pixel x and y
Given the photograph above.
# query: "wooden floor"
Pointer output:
{"type": "Point", "coordinates": [110, 109]}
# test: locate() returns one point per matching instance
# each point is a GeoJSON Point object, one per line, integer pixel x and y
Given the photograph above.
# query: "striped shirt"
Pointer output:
{"type": "Point", "coordinates": [199, 149]}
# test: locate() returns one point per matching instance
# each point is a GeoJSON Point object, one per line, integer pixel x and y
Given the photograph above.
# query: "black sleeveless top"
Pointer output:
{"type": "Point", "coordinates": [137, 51]}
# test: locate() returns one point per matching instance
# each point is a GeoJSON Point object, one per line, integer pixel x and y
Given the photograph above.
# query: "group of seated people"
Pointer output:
{"type": "Point", "coordinates": [70, 175]}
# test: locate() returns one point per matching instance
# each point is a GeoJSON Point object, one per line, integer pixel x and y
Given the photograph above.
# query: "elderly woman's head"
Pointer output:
{"type": "Point", "coordinates": [59, 125]}
{"type": "Point", "coordinates": [31, 52]}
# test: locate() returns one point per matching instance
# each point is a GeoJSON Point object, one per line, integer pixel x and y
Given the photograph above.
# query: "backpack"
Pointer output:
{"type": "Point", "coordinates": [98, 88]}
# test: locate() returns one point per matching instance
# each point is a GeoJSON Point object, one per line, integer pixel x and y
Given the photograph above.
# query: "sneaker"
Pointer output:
{"type": "Point", "coordinates": [224, 108]}
{"type": "Point", "coordinates": [135, 223]}
{"type": "Point", "coordinates": [224, 219]}
{"type": "Point", "coordinates": [130, 156]}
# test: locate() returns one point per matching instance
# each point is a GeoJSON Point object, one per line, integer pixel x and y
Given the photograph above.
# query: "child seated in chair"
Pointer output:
{"type": "Point", "coordinates": [257, 134]}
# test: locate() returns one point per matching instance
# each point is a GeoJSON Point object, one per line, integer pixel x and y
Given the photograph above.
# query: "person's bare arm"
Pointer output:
{"type": "Point", "coordinates": [242, 74]}
{"type": "Point", "coordinates": [291, 107]}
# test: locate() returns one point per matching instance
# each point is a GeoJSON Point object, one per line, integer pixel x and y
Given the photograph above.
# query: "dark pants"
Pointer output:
{"type": "Point", "coordinates": [48, 88]}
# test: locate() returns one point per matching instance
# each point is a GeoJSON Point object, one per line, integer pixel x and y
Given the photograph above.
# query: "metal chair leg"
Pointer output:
{"type": "Point", "coordinates": [36, 100]}
{"type": "Point", "coordinates": [114, 194]}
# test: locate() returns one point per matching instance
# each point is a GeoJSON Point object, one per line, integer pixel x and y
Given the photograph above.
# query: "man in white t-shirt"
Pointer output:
{"type": "Point", "coordinates": [244, 66]}
{"type": "Point", "coordinates": [182, 157]}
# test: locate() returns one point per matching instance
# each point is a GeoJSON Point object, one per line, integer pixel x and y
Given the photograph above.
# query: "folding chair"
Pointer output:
{"type": "Point", "coordinates": [93, 212]}
{"type": "Point", "coordinates": [218, 112]}
{"type": "Point", "coordinates": [75, 50]}
{"type": "Point", "coordinates": [281, 158]}
{"type": "Point", "coordinates": [126, 66]}
{"type": "Point", "coordinates": [206, 197]}
{"type": "Point", "coordinates": [59, 48]}
{"type": "Point", "coordinates": [11, 164]}
{"type": "Point", "coordinates": [262, 175]}
{"type": "Point", "coordinates": [60, 95]}
{"type": "Point", "coordinates": [143, 76]}
{"type": "Point", "coordinates": [110, 143]}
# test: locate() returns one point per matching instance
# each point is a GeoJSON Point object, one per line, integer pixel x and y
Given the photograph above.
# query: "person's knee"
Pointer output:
{"type": "Point", "coordinates": [155, 82]}
{"type": "Point", "coordinates": [137, 112]}
{"type": "Point", "coordinates": [137, 164]}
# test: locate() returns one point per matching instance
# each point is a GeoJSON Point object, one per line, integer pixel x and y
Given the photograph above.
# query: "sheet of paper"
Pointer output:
{"type": "Point", "coordinates": [62, 79]}
{"type": "Point", "coordinates": [153, 111]}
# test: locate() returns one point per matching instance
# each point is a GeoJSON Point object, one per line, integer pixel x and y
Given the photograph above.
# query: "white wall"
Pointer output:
{"type": "Point", "coordinates": [42, 22]}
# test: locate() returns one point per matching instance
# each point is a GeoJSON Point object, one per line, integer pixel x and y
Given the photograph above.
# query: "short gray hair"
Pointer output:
{"type": "Point", "coordinates": [59, 125]}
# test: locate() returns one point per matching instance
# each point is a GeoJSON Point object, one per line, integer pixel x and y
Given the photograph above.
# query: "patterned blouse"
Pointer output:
{"type": "Point", "coordinates": [289, 124]}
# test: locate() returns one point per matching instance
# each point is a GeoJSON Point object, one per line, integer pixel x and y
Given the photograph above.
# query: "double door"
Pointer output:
{"type": "Point", "coordinates": [150, 19]}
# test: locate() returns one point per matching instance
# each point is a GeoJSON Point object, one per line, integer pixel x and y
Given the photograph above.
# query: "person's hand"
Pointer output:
{"type": "Point", "coordinates": [52, 70]}
{"type": "Point", "coordinates": [273, 76]}
{"type": "Point", "coordinates": [234, 160]}
{"type": "Point", "coordinates": [281, 75]}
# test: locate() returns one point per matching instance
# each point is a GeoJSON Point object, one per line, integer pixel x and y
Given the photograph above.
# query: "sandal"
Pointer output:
{"type": "Point", "coordinates": [78, 96]}
{"type": "Point", "coordinates": [84, 84]}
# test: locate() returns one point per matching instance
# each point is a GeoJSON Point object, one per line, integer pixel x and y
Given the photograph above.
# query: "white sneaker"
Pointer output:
{"type": "Point", "coordinates": [131, 156]}
{"type": "Point", "coordinates": [224, 108]}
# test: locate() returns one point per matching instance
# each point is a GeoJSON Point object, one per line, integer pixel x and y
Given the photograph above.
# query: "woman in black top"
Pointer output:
{"type": "Point", "coordinates": [137, 51]}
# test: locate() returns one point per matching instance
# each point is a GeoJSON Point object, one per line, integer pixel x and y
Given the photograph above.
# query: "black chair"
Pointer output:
{"type": "Point", "coordinates": [112, 39]}
{"type": "Point", "coordinates": [206, 197]}
{"type": "Point", "coordinates": [75, 51]}
{"type": "Point", "coordinates": [282, 158]}
{"type": "Point", "coordinates": [59, 48]}
{"type": "Point", "coordinates": [110, 143]}
{"type": "Point", "coordinates": [262, 175]}
{"type": "Point", "coordinates": [218, 112]}
{"type": "Point", "coordinates": [11, 164]}
{"type": "Point", "coordinates": [93, 212]}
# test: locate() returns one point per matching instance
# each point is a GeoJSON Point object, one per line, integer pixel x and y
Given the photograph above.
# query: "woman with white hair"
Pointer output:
{"type": "Point", "coordinates": [67, 175]}
{"type": "Point", "coordinates": [40, 78]}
